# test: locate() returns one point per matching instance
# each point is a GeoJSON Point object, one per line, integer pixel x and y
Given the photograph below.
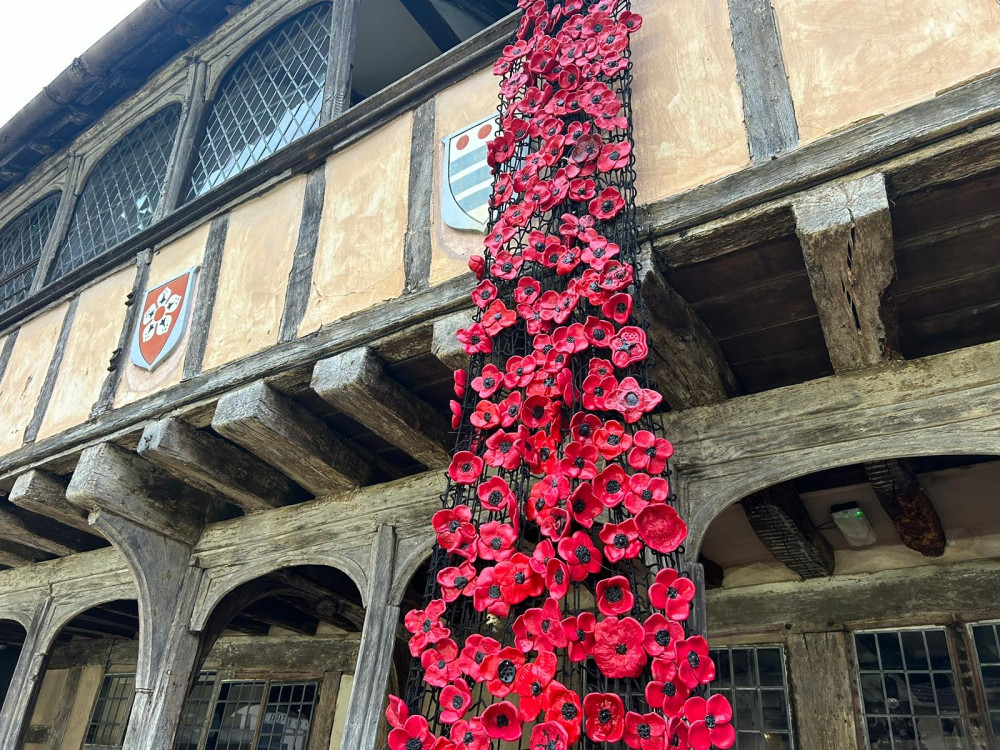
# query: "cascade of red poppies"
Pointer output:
{"type": "Point", "coordinates": [556, 603]}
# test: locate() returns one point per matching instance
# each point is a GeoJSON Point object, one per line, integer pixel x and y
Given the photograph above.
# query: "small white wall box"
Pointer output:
{"type": "Point", "coordinates": [853, 524]}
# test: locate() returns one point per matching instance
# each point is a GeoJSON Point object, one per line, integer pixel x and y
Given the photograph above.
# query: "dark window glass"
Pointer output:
{"type": "Point", "coordinates": [262, 716]}
{"type": "Point", "coordinates": [270, 97]}
{"type": "Point", "coordinates": [111, 711]}
{"type": "Point", "coordinates": [987, 638]}
{"type": "Point", "coordinates": [287, 716]}
{"type": "Point", "coordinates": [754, 681]}
{"type": "Point", "coordinates": [195, 713]}
{"type": "Point", "coordinates": [121, 194]}
{"type": "Point", "coordinates": [21, 244]}
{"type": "Point", "coordinates": [908, 690]}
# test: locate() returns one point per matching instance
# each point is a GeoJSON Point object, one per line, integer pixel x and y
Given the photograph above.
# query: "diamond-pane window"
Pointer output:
{"type": "Point", "coordinates": [121, 193]}
{"type": "Point", "coordinates": [270, 97]}
{"type": "Point", "coordinates": [21, 243]}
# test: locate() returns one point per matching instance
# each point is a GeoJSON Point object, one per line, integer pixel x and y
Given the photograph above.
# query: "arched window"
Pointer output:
{"type": "Point", "coordinates": [270, 97]}
{"type": "Point", "coordinates": [21, 243]}
{"type": "Point", "coordinates": [121, 193]}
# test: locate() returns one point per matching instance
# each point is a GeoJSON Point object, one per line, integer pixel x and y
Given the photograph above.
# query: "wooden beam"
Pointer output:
{"type": "Point", "coordinates": [45, 494]}
{"type": "Point", "coordinates": [328, 603]}
{"type": "Point", "coordinates": [356, 384]}
{"type": "Point", "coordinates": [290, 438]}
{"type": "Point", "coordinates": [215, 466]}
{"type": "Point", "coordinates": [846, 235]}
{"type": "Point", "coordinates": [281, 613]}
{"type": "Point", "coordinates": [14, 560]}
{"type": "Point", "coordinates": [445, 346]}
{"type": "Point", "coordinates": [14, 529]}
{"type": "Point", "coordinates": [110, 478]}
{"type": "Point", "coordinates": [779, 519]}
{"type": "Point", "coordinates": [714, 574]}
{"type": "Point", "coordinates": [907, 505]}
{"type": "Point", "coordinates": [433, 23]}
{"type": "Point", "coordinates": [690, 367]}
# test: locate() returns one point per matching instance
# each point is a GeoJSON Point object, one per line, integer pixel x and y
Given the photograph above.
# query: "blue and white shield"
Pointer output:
{"type": "Point", "coordinates": [465, 194]}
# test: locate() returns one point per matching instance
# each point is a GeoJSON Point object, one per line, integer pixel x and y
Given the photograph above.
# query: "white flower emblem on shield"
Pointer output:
{"type": "Point", "coordinates": [158, 316]}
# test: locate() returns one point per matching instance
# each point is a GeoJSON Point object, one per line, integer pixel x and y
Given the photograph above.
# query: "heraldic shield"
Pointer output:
{"type": "Point", "coordinates": [468, 181]}
{"type": "Point", "coordinates": [163, 320]}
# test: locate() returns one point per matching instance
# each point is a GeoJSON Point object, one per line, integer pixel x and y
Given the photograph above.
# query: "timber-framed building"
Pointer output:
{"type": "Point", "coordinates": [228, 296]}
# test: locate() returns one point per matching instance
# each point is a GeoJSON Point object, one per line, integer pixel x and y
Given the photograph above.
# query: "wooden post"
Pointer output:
{"type": "Point", "coordinates": [781, 522]}
{"type": "Point", "coordinates": [820, 676]}
{"type": "Point", "coordinates": [20, 700]}
{"type": "Point", "coordinates": [371, 676]}
{"type": "Point", "coordinates": [343, 33]}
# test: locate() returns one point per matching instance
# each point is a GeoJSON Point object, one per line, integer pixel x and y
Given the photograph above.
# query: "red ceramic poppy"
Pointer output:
{"type": "Point", "coordinates": [709, 722]}
{"type": "Point", "coordinates": [614, 596]}
{"type": "Point", "coordinates": [488, 381]}
{"type": "Point", "coordinates": [612, 441]}
{"type": "Point", "coordinates": [580, 461]}
{"type": "Point", "coordinates": [604, 717]}
{"type": "Point", "coordinates": [649, 453]}
{"type": "Point", "coordinates": [588, 285]}
{"type": "Point", "coordinates": [615, 276]}
{"type": "Point", "coordinates": [549, 735]}
{"type": "Point", "coordinates": [527, 289]}
{"type": "Point", "coordinates": [621, 541]}
{"type": "Point", "coordinates": [495, 494]}
{"type": "Point", "coordinates": [662, 636]}
{"type": "Point", "coordinates": [540, 628]}
{"type": "Point", "coordinates": [608, 204]}
{"type": "Point", "coordinates": [474, 654]}
{"type": "Point", "coordinates": [457, 581]}
{"type": "Point", "coordinates": [595, 391]}
{"type": "Point", "coordinates": [570, 339]}
{"type": "Point", "coordinates": [486, 416]}
{"type": "Point", "coordinates": [628, 345]}
{"type": "Point", "coordinates": [497, 317]}
{"type": "Point", "coordinates": [470, 735]}
{"type": "Point", "coordinates": [553, 523]}
{"type": "Point", "coordinates": [631, 21]}
{"type": "Point", "coordinates": [537, 412]}
{"type": "Point", "coordinates": [565, 707]}
{"type": "Point", "coordinates": [455, 701]}
{"type": "Point", "coordinates": [475, 339]}
{"type": "Point", "coordinates": [614, 156]}
{"type": "Point", "coordinates": [484, 294]}
{"type": "Point", "coordinates": [584, 506]}
{"type": "Point", "coordinates": [531, 683]}
{"type": "Point", "coordinates": [611, 485]}
{"type": "Point", "coordinates": [584, 427]}
{"type": "Point", "coordinates": [599, 332]}
{"type": "Point", "coordinates": [557, 578]}
{"type": "Point", "coordinates": [426, 626]}
{"type": "Point", "coordinates": [496, 541]}
{"type": "Point", "coordinates": [581, 189]}
{"type": "Point", "coordinates": [501, 722]}
{"type": "Point", "coordinates": [477, 265]}
{"type": "Point", "coordinates": [415, 734]}
{"type": "Point", "coordinates": [579, 631]}
{"type": "Point", "coordinates": [461, 379]}
{"type": "Point", "coordinates": [644, 490]}
{"type": "Point", "coordinates": [440, 663]}
{"type": "Point", "coordinates": [506, 266]}
{"type": "Point", "coordinates": [599, 253]}
{"type": "Point", "coordinates": [488, 595]}
{"type": "Point", "coordinates": [672, 594]}
{"type": "Point", "coordinates": [676, 735]}
{"type": "Point", "coordinates": [618, 650]}
{"type": "Point", "coordinates": [501, 451]}
{"type": "Point", "coordinates": [644, 731]}
{"type": "Point", "coordinates": [503, 190]}
{"type": "Point", "coordinates": [453, 527]}
{"type": "Point", "coordinates": [500, 670]}
{"type": "Point", "coordinates": [517, 580]}
{"type": "Point", "coordinates": [580, 554]}
{"type": "Point", "coordinates": [694, 666]}
{"type": "Point", "coordinates": [397, 712]}
{"type": "Point", "coordinates": [665, 692]}
{"type": "Point", "coordinates": [519, 371]}
{"type": "Point", "coordinates": [618, 308]}
{"type": "Point", "coordinates": [661, 528]}
{"type": "Point", "coordinates": [456, 413]}
{"type": "Point", "coordinates": [498, 237]}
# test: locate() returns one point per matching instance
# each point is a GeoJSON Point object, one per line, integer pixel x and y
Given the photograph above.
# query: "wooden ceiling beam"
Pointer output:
{"type": "Point", "coordinates": [14, 560]}
{"type": "Point", "coordinates": [445, 346]}
{"type": "Point", "coordinates": [290, 438]}
{"type": "Point", "coordinates": [433, 23]}
{"type": "Point", "coordinates": [907, 505]}
{"type": "Point", "coordinates": [328, 604]}
{"type": "Point", "coordinates": [356, 384]}
{"type": "Point", "coordinates": [845, 230]}
{"type": "Point", "coordinates": [14, 529]}
{"type": "Point", "coordinates": [779, 519]}
{"type": "Point", "coordinates": [45, 494]}
{"type": "Point", "coordinates": [215, 466]}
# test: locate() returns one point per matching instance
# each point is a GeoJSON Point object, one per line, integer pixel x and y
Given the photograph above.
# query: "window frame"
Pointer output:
{"type": "Point", "coordinates": [980, 683]}
{"type": "Point", "coordinates": [109, 676]}
{"type": "Point", "coordinates": [58, 196]}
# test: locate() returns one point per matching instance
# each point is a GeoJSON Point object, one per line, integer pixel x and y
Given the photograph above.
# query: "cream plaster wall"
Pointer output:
{"type": "Point", "coordinates": [169, 262]}
{"type": "Point", "coordinates": [359, 259]}
{"type": "Point", "coordinates": [850, 60]}
{"type": "Point", "coordinates": [454, 108]}
{"type": "Point", "coordinates": [100, 315]}
{"type": "Point", "coordinates": [688, 109]}
{"type": "Point", "coordinates": [340, 717]}
{"type": "Point", "coordinates": [22, 382]}
{"type": "Point", "coordinates": [83, 705]}
{"type": "Point", "coordinates": [260, 247]}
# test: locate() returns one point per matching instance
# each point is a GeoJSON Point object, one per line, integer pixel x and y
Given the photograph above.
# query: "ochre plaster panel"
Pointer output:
{"type": "Point", "coordinates": [79, 719]}
{"type": "Point", "coordinates": [169, 262]}
{"type": "Point", "coordinates": [93, 337]}
{"type": "Point", "coordinates": [849, 60]}
{"type": "Point", "coordinates": [359, 260]}
{"type": "Point", "coordinates": [260, 246]}
{"type": "Point", "coordinates": [688, 109]}
{"type": "Point", "coordinates": [22, 382]}
{"type": "Point", "coordinates": [454, 108]}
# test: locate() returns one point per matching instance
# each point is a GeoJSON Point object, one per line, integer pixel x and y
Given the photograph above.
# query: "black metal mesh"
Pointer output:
{"type": "Point", "coordinates": [270, 97]}
{"type": "Point", "coordinates": [21, 243]}
{"type": "Point", "coordinates": [121, 194]}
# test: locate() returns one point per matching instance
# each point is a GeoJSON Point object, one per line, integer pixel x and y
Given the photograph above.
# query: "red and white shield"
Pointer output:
{"type": "Point", "coordinates": [163, 320]}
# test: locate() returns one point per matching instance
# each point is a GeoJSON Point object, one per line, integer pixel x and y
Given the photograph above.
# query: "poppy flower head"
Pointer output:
{"type": "Point", "coordinates": [599, 332]}
{"type": "Point", "coordinates": [517, 580]}
{"type": "Point", "coordinates": [501, 721]}
{"type": "Point", "coordinates": [484, 294]}
{"type": "Point", "coordinates": [662, 636]}
{"type": "Point", "coordinates": [455, 701]}
{"type": "Point", "coordinates": [415, 734]}
{"type": "Point", "coordinates": [672, 593]}
{"type": "Point", "coordinates": [579, 631]}
{"type": "Point", "coordinates": [709, 722]}
{"type": "Point", "coordinates": [580, 554]}
{"type": "Point", "coordinates": [532, 684]}
{"type": "Point", "coordinates": [475, 652]}
{"type": "Point", "coordinates": [665, 692]}
{"type": "Point", "coordinates": [457, 581]}
{"type": "Point", "coordinates": [614, 596]}
{"type": "Point", "coordinates": [618, 650]}
{"type": "Point", "coordinates": [612, 441]}
{"type": "Point", "coordinates": [496, 541]}
{"type": "Point", "coordinates": [632, 401]}
{"type": "Point", "coordinates": [475, 339]}
{"type": "Point", "coordinates": [661, 528]}
{"type": "Point", "coordinates": [644, 490]}
{"type": "Point", "coordinates": [540, 628]}
{"type": "Point", "coordinates": [649, 453]}
{"type": "Point", "coordinates": [604, 717]}
{"type": "Point", "coordinates": [611, 486]}
{"type": "Point", "coordinates": [488, 382]}
{"type": "Point", "coordinates": [607, 204]}
{"type": "Point", "coordinates": [565, 707]}
{"type": "Point", "coordinates": [440, 663]}
{"type": "Point", "coordinates": [621, 541]}
{"type": "Point", "coordinates": [469, 735]}
{"type": "Point", "coordinates": [549, 735]}
{"type": "Point", "coordinates": [397, 712]}
{"type": "Point", "coordinates": [694, 666]}
{"type": "Point", "coordinates": [644, 731]}
{"type": "Point", "coordinates": [454, 527]}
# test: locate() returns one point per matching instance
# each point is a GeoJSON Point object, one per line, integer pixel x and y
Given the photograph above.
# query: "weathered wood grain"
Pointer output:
{"type": "Point", "coordinates": [445, 346]}
{"type": "Point", "coordinates": [204, 304]}
{"type": "Point", "coordinates": [826, 706]}
{"type": "Point", "coordinates": [417, 242]}
{"type": "Point", "coordinates": [13, 560]}
{"type": "Point", "coordinates": [192, 117]}
{"type": "Point", "coordinates": [285, 435]}
{"type": "Point", "coordinates": [357, 385]}
{"type": "Point", "coordinates": [340, 63]}
{"type": "Point", "coordinates": [782, 524]}
{"type": "Point", "coordinates": [903, 499]}
{"type": "Point", "coordinates": [13, 529]}
{"type": "Point", "coordinates": [8, 349]}
{"type": "Point", "coordinates": [49, 384]}
{"type": "Point", "coordinates": [845, 230]}
{"type": "Point", "coordinates": [24, 683]}
{"type": "Point", "coordinates": [45, 494]}
{"type": "Point", "coordinates": [215, 466]}
{"type": "Point", "coordinates": [300, 275]}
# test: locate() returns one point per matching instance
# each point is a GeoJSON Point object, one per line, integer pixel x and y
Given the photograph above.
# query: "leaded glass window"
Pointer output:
{"type": "Point", "coordinates": [987, 638]}
{"type": "Point", "coordinates": [194, 717]}
{"type": "Point", "coordinates": [121, 194]}
{"type": "Point", "coordinates": [257, 715]}
{"type": "Point", "coordinates": [908, 690]}
{"type": "Point", "coordinates": [754, 680]}
{"type": "Point", "coordinates": [21, 244]}
{"type": "Point", "coordinates": [270, 97]}
{"type": "Point", "coordinates": [111, 711]}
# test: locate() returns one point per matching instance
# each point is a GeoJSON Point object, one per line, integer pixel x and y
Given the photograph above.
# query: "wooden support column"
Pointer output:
{"type": "Point", "coordinates": [215, 466]}
{"type": "Point", "coordinates": [445, 346]}
{"type": "Point", "coordinates": [820, 673]}
{"type": "Point", "coordinates": [288, 437]}
{"type": "Point", "coordinates": [45, 494]}
{"type": "Point", "coordinates": [356, 384]}
{"type": "Point", "coordinates": [343, 34]}
{"type": "Point", "coordinates": [371, 677]}
{"type": "Point", "coordinates": [690, 367]}
{"type": "Point", "coordinates": [780, 521]}
{"type": "Point", "coordinates": [905, 502]}
{"type": "Point", "coordinates": [846, 234]}
{"type": "Point", "coordinates": [20, 700]}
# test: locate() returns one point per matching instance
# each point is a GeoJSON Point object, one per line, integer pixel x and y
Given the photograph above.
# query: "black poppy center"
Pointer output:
{"type": "Point", "coordinates": [647, 495]}
{"type": "Point", "coordinates": [519, 578]}
{"type": "Point", "coordinates": [694, 660]}
{"type": "Point", "coordinates": [488, 382]}
{"type": "Point", "coordinates": [414, 744]}
{"type": "Point", "coordinates": [568, 711]}
{"type": "Point", "coordinates": [621, 541]}
{"type": "Point", "coordinates": [580, 635]}
{"type": "Point", "coordinates": [579, 462]}
{"type": "Point", "coordinates": [598, 391]}
{"type": "Point", "coordinates": [506, 671]}
{"type": "Point", "coordinates": [453, 526]}
{"type": "Point", "coordinates": [632, 399]}
{"type": "Point", "coordinates": [559, 576]}
{"type": "Point", "coordinates": [496, 543]}
{"type": "Point", "coordinates": [709, 721]}
{"type": "Point", "coordinates": [672, 593]}
{"type": "Point", "coordinates": [616, 155]}
{"type": "Point", "coordinates": [604, 715]}
{"type": "Point", "coordinates": [663, 637]}
{"type": "Point", "coordinates": [600, 334]}
{"type": "Point", "coordinates": [583, 554]}
{"type": "Point", "coordinates": [584, 429]}
{"type": "Point", "coordinates": [467, 466]}
{"type": "Point", "coordinates": [505, 447]}
{"type": "Point", "coordinates": [426, 627]}
{"type": "Point", "coordinates": [669, 689]}
{"type": "Point", "coordinates": [614, 440]}
{"type": "Point", "coordinates": [461, 582]}
{"type": "Point", "coordinates": [621, 649]}
{"type": "Point", "coordinates": [442, 664]}
{"type": "Point", "coordinates": [538, 412]}
{"type": "Point", "coordinates": [614, 594]}
{"type": "Point", "coordinates": [467, 738]}
{"type": "Point", "coordinates": [651, 451]}
{"type": "Point", "coordinates": [479, 657]}
{"type": "Point", "coordinates": [546, 626]}
{"type": "Point", "coordinates": [579, 506]}
{"type": "Point", "coordinates": [607, 205]}
{"type": "Point", "coordinates": [494, 592]}
{"type": "Point", "coordinates": [614, 486]}
{"type": "Point", "coordinates": [502, 721]}
{"type": "Point", "coordinates": [507, 266]}
{"type": "Point", "coordinates": [457, 701]}
{"type": "Point", "coordinates": [476, 339]}
{"type": "Point", "coordinates": [496, 497]}
{"type": "Point", "coordinates": [536, 688]}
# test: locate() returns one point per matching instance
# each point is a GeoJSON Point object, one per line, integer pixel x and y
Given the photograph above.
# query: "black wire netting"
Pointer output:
{"type": "Point", "coordinates": [555, 520]}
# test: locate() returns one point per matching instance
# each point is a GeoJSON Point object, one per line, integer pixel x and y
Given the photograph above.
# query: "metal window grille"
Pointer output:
{"type": "Point", "coordinates": [908, 690]}
{"type": "Point", "coordinates": [987, 639]}
{"type": "Point", "coordinates": [271, 96]}
{"type": "Point", "coordinates": [195, 714]}
{"type": "Point", "coordinates": [111, 711]}
{"type": "Point", "coordinates": [21, 244]}
{"type": "Point", "coordinates": [121, 194]}
{"type": "Point", "coordinates": [287, 716]}
{"type": "Point", "coordinates": [237, 714]}
{"type": "Point", "coordinates": [260, 715]}
{"type": "Point", "coordinates": [755, 682]}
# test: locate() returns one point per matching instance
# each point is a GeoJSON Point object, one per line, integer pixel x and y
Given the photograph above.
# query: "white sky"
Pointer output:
{"type": "Point", "coordinates": [41, 39]}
